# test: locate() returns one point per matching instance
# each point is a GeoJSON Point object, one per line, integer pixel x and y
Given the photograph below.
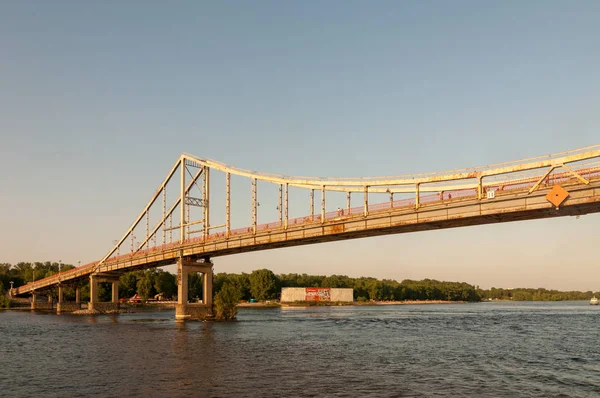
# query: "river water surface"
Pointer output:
{"type": "Point", "coordinates": [475, 350]}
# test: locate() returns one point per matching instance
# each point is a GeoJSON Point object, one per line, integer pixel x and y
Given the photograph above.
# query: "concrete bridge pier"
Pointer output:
{"type": "Point", "coordinates": [60, 299]}
{"type": "Point", "coordinates": [115, 292]}
{"type": "Point", "coordinates": [185, 311]}
{"type": "Point", "coordinates": [67, 306]}
{"type": "Point", "coordinates": [38, 304]}
{"type": "Point", "coordinates": [94, 304]}
{"type": "Point", "coordinates": [93, 292]}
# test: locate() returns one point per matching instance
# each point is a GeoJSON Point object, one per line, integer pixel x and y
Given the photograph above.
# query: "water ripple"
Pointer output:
{"type": "Point", "coordinates": [483, 350]}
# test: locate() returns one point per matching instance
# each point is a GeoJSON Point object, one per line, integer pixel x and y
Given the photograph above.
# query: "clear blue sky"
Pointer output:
{"type": "Point", "coordinates": [98, 99]}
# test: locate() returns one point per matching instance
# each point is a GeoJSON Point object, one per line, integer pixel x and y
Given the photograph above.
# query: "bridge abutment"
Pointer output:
{"type": "Point", "coordinates": [185, 311]}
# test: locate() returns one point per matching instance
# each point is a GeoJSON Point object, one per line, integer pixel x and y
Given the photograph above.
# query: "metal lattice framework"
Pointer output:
{"type": "Point", "coordinates": [179, 213]}
{"type": "Point", "coordinates": [499, 176]}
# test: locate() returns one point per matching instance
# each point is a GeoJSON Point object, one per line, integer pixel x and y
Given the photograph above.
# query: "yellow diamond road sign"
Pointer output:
{"type": "Point", "coordinates": [557, 195]}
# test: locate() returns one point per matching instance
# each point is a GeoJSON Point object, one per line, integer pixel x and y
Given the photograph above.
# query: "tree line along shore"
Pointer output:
{"type": "Point", "coordinates": [263, 284]}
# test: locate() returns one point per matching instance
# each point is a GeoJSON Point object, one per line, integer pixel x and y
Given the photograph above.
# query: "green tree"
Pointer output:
{"type": "Point", "coordinates": [218, 281]}
{"type": "Point", "coordinates": [335, 281]}
{"type": "Point", "coordinates": [165, 283]}
{"type": "Point", "coordinates": [242, 282]}
{"type": "Point", "coordinates": [84, 292]}
{"type": "Point", "coordinates": [145, 284]}
{"type": "Point", "coordinates": [195, 285]}
{"type": "Point", "coordinates": [5, 268]}
{"type": "Point", "coordinates": [523, 296]}
{"type": "Point", "coordinates": [375, 289]}
{"type": "Point", "coordinates": [105, 291]}
{"type": "Point", "coordinates": [360, 289]}
{"type": "Point", "coordinates": [226, 300]}
{"type": "Point", "coordinates": [128, 284]}
{"type": "Point", "coordinates": [4, 300]}
{"type": "Point", "coordinates": [263, 284]}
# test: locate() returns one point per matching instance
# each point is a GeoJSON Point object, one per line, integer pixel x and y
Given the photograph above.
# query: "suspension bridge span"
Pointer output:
{"type": "Point", "coordinates": [189, 219]}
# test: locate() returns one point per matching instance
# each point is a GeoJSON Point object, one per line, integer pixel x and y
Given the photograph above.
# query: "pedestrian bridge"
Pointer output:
{"type": "Point", "coordinates": [189, 220]}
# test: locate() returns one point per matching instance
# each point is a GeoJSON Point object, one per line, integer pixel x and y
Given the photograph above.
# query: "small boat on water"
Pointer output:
{"type": "Point", "coordinates": [594, 301]}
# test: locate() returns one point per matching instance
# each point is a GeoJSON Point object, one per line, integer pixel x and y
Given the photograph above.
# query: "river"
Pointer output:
{"type": "Point", "coordinates": [474, 350]}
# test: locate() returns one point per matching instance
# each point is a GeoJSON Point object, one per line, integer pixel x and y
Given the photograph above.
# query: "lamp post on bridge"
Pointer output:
{"type": "Point", "coordinates": [59, 265]}
{"type": "Point", "coordinates": [33, 275]}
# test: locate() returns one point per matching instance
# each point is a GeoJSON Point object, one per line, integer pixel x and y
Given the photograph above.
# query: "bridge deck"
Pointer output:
{"type": "Point", "coordinates": [512, 202]}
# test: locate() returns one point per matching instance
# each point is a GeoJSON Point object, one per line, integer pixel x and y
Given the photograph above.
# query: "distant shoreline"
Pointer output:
{"type": "Point", "coordinates": [354, 303]}
{"type": "Point", "coordinates": [418, 302]}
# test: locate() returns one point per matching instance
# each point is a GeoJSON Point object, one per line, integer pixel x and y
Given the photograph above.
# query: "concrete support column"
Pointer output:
{"type": "Point", "coordinates": [182, 282]}
{"type": "Point", "coordinates": [33, 299]}
{"type": "Point", "coordinates": [59, 304]}
{"type": "Point", "coordinates": [50, 299]}
{"type": "Point", "coordinates": [77, 295]}
{"type": "Point", "coordinates": [208, 284]}
{"type": "Point", "coordinates": [93, 292]}
{"type": "Point", "coordinates": [115, 291]}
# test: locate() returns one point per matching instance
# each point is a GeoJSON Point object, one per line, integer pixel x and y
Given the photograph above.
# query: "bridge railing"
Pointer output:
{"type": "Point", "coordinates": [54, 279]}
